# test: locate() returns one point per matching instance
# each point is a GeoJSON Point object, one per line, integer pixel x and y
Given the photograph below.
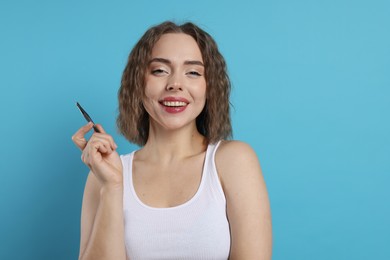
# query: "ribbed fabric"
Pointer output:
{"type": "Point", "coordinates": [197, 229]}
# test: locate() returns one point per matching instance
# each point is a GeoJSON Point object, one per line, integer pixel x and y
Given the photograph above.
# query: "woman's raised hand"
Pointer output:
{"type": "Point", "coordinates": [99, 154]}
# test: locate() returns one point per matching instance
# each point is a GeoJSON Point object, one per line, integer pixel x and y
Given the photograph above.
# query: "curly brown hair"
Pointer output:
{"type": "Point", "coordinates": [213, 122]}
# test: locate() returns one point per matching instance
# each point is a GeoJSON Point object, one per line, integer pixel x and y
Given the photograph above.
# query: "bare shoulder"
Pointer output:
{"type": "Point", "coordinates": [235, 158]}
{"type": "Point", "coordinates": [239, 170]}
{"type": "Point", "coordinates": [236, 149]}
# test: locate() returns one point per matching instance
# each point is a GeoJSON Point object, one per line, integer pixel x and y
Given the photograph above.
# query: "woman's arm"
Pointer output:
{"type": "Point", "coordinates": [248, 206]}
{"type": "Point", "coordinates": [102, 227]}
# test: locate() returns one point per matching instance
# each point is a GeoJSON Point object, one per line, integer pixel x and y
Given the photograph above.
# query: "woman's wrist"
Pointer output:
{"type": "Point", "coordinates": [111, 189]}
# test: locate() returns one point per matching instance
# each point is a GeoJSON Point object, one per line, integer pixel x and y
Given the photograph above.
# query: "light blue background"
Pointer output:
{"type": "Point", "coordinates": [311, 95]}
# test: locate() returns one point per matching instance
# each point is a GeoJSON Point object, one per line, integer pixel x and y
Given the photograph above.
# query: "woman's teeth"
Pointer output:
{"type": "Point", "coordinates": [174, 103]}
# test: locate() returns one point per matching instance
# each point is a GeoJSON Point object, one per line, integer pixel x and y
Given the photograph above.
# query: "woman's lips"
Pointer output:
{"type": "Point", "coordinates": [174, 104]}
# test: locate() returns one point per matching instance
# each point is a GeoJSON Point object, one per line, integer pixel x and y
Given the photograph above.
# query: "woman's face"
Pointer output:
{"type": "Point", "coordinates": [175, 85]}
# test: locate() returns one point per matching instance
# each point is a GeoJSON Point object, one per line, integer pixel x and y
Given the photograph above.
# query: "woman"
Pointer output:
{"type": "Point", "coordinates": [187, 193]}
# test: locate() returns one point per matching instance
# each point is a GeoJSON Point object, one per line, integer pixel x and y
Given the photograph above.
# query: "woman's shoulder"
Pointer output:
{"type": "Point", "coordinates": [239, 170]}
{"type": "Point", "coordinates": [234, 159]}
{"type": "Point", "coordinates": [232, 151]}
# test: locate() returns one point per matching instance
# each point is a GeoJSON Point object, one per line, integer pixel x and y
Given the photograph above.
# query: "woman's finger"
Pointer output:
{"type": "Point", "coordinates": [99, 143]}
{"type": "Point", "coordinates": [79, 137]}
{"type": "Point", "coordinates": [109, 137]}
{"type": "Point", "coordinates": [101, 129]}
{"type": "Point", "coordinates": [102, 146]}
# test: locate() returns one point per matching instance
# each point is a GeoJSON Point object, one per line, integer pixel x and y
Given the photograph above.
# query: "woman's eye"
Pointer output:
{"type": "Point", "coordinates": [194, 73]}
{"type": "Point", "coordinates": [158, 72]}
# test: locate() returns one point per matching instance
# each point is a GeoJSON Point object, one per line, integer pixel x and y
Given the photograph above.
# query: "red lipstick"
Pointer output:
{"type": "Point", "coordinates": [173, 104]}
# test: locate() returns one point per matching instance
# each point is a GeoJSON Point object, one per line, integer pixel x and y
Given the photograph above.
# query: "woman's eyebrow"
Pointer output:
{"type": "Point", "coordinates": [187, 62]}
{"type": "Point", "coordinates": [193, 62]}
{"type": "Point", "coordinates": [162, 60]}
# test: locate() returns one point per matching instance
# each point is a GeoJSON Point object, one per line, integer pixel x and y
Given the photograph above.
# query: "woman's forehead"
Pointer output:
{"type": "Point", "coordinates": [176, 46]}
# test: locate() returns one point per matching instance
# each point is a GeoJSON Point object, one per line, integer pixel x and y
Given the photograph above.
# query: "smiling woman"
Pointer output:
{"type": "Point", "coordinates": [175, 82]}
{"type": "Point", "coordinates": [188, 193]}
{"type": "Point", "coordinates": [213, 122]}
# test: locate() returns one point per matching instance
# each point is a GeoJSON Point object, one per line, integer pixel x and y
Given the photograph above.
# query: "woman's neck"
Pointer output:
{"type": "Point", "coordinates": [166, 146]}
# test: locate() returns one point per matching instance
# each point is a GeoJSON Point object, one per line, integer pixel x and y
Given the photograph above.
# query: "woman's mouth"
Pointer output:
{"type": "Point", "coordinates": [174, 104]}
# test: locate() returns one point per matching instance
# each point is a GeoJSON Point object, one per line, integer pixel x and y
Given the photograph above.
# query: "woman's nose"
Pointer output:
{"type": "Point", "coordinates": [174, 83]}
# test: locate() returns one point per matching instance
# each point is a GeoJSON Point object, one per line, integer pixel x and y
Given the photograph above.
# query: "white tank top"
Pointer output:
{"type": "Point", "coordinates": [197, 229]}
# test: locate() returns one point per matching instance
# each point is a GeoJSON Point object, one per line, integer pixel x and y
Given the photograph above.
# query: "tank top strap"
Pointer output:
{"type": "Point", "coordinates": [126, 166]}
{"type": "Point", "coordinates": [213, 181]}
